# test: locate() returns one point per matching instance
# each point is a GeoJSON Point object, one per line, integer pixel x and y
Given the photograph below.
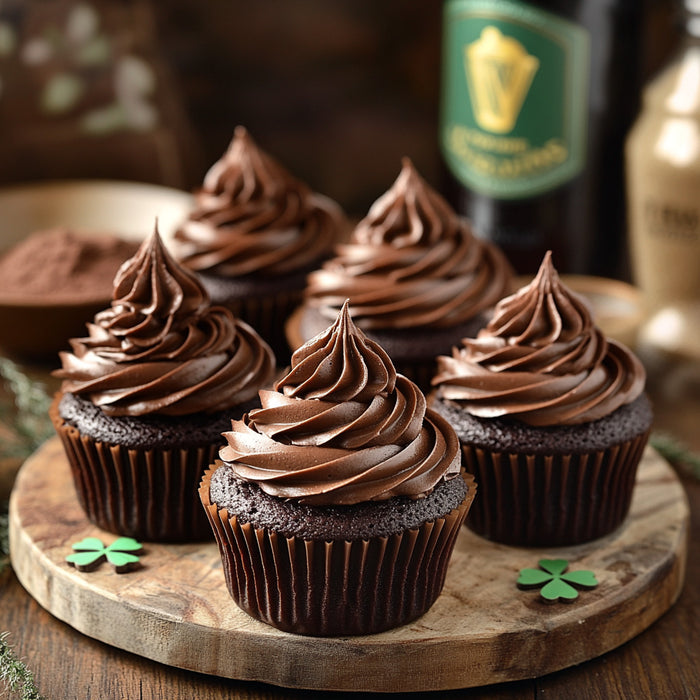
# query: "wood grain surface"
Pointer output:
{"type": "Point", "coordinates": [175, 609]}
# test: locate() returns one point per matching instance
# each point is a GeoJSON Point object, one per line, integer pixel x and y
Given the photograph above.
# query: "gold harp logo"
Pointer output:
{"type": "Point", "coordinates": [499, 75]}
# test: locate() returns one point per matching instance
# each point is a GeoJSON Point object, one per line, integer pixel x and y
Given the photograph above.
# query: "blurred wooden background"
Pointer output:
{"type": "Point", "coordinates": [338, 91]}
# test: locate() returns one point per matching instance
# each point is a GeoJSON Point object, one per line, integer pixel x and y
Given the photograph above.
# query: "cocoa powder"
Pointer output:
{"type": "Point", "coordinates": [60, 262]}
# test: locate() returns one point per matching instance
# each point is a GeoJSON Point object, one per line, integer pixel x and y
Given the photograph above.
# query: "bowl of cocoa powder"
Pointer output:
{"type": "Point", "coordinates": [61, 245]}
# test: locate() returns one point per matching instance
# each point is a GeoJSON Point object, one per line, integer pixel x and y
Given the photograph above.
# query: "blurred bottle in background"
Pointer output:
{"type": "Point", "coordinates": [663, 176]}
{"type": "Point", "coordinates": [536, 100]}
{"type": "Point", "coordinates": [663, 197]}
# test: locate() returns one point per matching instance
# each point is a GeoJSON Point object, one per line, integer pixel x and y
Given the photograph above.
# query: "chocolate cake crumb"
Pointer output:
{"type": "Point", "coordinates": [511, 435]}
{"type": "Point", "coordinates": [353, 522]}
{"type": "Point", "coordinates": [145, 431]}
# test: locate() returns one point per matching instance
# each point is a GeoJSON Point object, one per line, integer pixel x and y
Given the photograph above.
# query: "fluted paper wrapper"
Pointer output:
{"type": "Point", "coordinates": [148, 494]}
{"type": "Point", "coordinates": [334, 588]}
{"type": "Point", "coordinates": [419, 372]}
{"type": "Point", "coordinates": [267, 312]}
{"type": "Point", "coordinates": [553, 500]}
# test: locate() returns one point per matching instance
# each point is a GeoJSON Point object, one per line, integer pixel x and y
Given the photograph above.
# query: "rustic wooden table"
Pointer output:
{"type": "Point", "coordinates": [660, 663]}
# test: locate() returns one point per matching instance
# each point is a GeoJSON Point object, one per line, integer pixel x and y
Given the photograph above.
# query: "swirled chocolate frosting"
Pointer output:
{"type": "Point", "coordinates": [161, 348]}
{"type": "Point", "coordinates": [342, 427]}
{"type": "Point", "coordinates": [411, 262]}
{"type": "Point", "coordinates": [252, 216]}
{"type": "Point", "coordinates": [541, 360]}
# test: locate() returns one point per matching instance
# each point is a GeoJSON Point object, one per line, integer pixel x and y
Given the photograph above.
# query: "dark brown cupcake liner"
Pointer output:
{"type": "Point", "coordinates": [267, 312]}
{"type": "Point", "coordinates": [420, 373]}
{"type": "Point", "coordinates": [148, 494]}
{"type": "Point", "coordinates": [267, 315]}
{"type": "Point", "coordinates": [338, 587]}
{"type": "Point", "coordinates": [552, 500]}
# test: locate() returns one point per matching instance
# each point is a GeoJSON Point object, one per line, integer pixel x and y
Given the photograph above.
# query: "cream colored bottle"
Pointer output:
{"type": "Point", "coordinates": [663, 178]}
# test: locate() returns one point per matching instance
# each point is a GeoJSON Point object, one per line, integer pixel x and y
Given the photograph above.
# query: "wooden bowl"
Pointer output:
{"type": "Point", "coordinates": [36, 328]}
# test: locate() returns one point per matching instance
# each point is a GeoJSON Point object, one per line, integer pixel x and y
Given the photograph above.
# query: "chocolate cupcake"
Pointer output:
{"type": "Point", "coordinates": [337, 504]}
{"type": "Point", "coordinates": [552, 417]}
{"type": "Point", "coordinates": [254, 234]}
{"type": "Point", "coordinates": [417, 278]}
{"type": "Point", "coordinates": [146, 396]}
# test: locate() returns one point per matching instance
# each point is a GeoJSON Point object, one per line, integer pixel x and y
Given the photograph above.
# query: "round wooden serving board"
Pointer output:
{"type": "Point", "coordinates": [483, 629]}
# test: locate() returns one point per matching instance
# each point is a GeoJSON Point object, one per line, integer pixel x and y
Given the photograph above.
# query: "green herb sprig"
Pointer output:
{"type": "Point", "coordinates": [29, 417]}
{"type": "Point", "coordinates": [4, 537]}
{"type": "Point", "coordinates": [31, 426]}
{"type": "Point", "coordinates": [676, 452]}
{"type": "Point", "coordinates": [14, 675]}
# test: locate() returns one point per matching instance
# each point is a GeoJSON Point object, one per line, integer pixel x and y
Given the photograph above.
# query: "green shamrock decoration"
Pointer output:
{"type": "Point", "coordinates": [90, 552]}
{"type": "Point", "coordinates": [556, 584]}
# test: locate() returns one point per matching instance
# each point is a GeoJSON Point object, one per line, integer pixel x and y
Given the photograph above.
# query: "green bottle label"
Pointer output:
{"type": "Point", "coordinates": [514, 97]}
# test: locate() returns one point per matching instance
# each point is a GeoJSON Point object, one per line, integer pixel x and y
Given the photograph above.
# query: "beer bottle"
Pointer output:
{"type": "Point", "coordinates": [663, 176]}
{"type": "Point", "coordinates": [536, 100]}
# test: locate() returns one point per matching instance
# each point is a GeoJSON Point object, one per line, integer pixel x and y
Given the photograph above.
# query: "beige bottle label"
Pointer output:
{"type": "Point", "coordinates": [665, 243]}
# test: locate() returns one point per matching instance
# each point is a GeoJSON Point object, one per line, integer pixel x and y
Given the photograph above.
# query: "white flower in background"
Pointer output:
{"type": "Point", "coordinates": [83, 24]}
{"type": "Point", "coordinates": [8, 40]}
{"type": "Point", "coordinates": [61, 93]}
{"type": "Point", "coordinates": [81, 44]}
{"type": "Point", "coordinates": [134, 81]}
{"type": "Point", "coordinates": [36, 51]}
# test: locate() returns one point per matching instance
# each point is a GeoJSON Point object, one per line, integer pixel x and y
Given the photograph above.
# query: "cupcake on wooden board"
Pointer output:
{"type": "Point", "coordinates": [552, 416]}
{"type": "Point", "coordinates": [336, 505]}
{"type": "Point", "coordinates": [417, 278]}
{"type": "Point", "coordinates": [146, 396]}
{"type": "Point", "coordinates": [254, 234]}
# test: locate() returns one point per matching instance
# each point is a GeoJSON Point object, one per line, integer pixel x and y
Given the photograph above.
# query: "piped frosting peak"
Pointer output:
{"type": "Point", "coordinates": [411, 262]}
{"type": "Point", "coordinates": [341, 364]}
{"type": "Point", "coordinates": [252, 216]}
{"type": "Point", "coordinates": [342, 427]}
{"type": "Point", "coordinates": [542, 360]}
{"type": "Point", "coordinates": [161, 348]}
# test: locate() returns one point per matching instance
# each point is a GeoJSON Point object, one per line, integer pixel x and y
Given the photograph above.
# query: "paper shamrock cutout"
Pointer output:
{"type": "Point", "coordinates": [90, 552]}
{"type": "Point", "coordinates": [556, 583]}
